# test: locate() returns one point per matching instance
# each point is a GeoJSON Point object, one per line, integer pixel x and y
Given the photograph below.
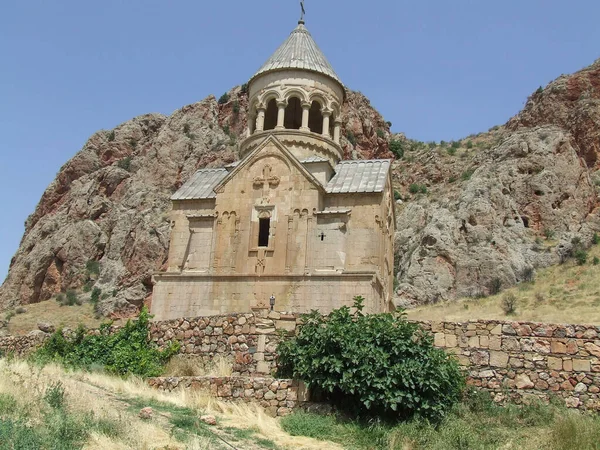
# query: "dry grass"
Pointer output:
{"type": "Point", "coordinates": [51, 312]}
{"type": "Point", "coordinates": [566, 293]}
{"type": "Point", "coordinates": [112, 398]}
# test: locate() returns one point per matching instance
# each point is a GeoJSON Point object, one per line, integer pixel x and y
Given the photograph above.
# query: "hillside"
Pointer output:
{"type": "Point", "coordinates": [469, 214]}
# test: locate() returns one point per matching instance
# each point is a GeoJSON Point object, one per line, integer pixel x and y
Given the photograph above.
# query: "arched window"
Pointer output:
{"type": "Point", "coordinates": [315, 118]}
{"type": "Point", "coordinates": [293, 114]}
{"type": "Point", "coordinates": [271, 115]}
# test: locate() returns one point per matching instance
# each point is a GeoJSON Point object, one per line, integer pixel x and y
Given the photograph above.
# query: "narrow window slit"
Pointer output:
{"type": "Point", "coordinates": [263, 232]}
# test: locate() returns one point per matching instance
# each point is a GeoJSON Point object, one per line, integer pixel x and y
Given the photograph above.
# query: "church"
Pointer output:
{"type": "Point", "coordinates": [290, 225]}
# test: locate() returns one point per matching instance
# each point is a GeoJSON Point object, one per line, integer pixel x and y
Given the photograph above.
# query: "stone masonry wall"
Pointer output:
{"type": "Point", "coordinates": [514, 360]}
{"type": "Point", "coordinates": [523, 360]}
{"type": "Point", "coordinates": [278, 397]}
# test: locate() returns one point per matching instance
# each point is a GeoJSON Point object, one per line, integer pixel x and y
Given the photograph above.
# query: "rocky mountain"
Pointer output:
{"type": "Point", "coordinates": [104, 220]}
{"type": "Point", "coordinates": [472, 215]}
{"type": "Point", "coordinates": [503, 203]}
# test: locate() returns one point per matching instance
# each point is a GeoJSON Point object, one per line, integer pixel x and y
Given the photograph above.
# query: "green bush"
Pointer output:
{"type": "Point", "coordinates": [509, 304]}
{"type": "Point", "coordinates": [469, 145]}
{"type": "Point", "coordinates": [111, 136]}
{"type": "Point", "coordinates": [397, 148]}
{"type": "Point", "coordinates": [539, 90]}
{"type": "Point", "coordinates": [377, 365]}
{"type": "Point", "coordinates": [417, 189]}
{"type": "Point", "coordinates": [549, 233]}
{"type": "Point", "coordinates": [467, 174]}
{"type": "Point", "coordinates": [95, 297]}
{"type": "Point", "coordinates": [455, 145]}
{"type": "Point", "coordinates": [125, 163]}
{"type": "Point", "coordinates": [351, 138]}
{"type": "Point", "coordinates": [236, 107]}
{"type": "Point", "coordinates": [451, 151]}
{"type": "Point", "coordinates": [581, 257]}
{"type": "Point", "coordinates": [223, 99]}
{"type": "Point", "coordinates": [92, 267]}
{"type": "Point", "coordinates": [244, 89]}
{"type": "Point", "coordinates": [55, 395]}
{"type": "Point", "coordinates": [126, 351]}
{"type": "Point", "coordinates": [380, 133]}
{"type": "Point", "coordinates": [495, 286]}
{"type": "Point", "coordinates": [596, 261]}
{"type": "Point", "coordinates": [595, 239]}
{"type": "Point", "coordinates": [397, 195]}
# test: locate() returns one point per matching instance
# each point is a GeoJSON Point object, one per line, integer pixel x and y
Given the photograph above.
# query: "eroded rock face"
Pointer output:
{"type": "Point", "coordinates": [110, 202]}
{"type": "Point", "coordinates": [456, 240]}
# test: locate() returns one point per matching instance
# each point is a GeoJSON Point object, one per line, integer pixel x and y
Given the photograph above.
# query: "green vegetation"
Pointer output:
{"type": "Point", "coordinates": [244, 88]}
{"type": "Point", "coordinates": [495, 286]}
{"type": "Point", "coordinates": [125, 163]}
{"type": "Point", "coordinates": [223, 99]}
{"type": "Point", "coordinates": [476, 423]}
{"type": "Point", "coordinates": [236, 107]}
{"type": "Point", "coordinates": [70, 298]}
{"type": "Point", "coordinates": [581, 257]}
{"type": "Point", "coordinates": [539, 90]}
{"type": "Point", "coordinates": [397, 148]}
{"type": "Point", "coordinates": [373, 365]}
{"type": "Point", "coordinates": [469, 145]}
{"type": "Point", "coordinates": [380, 133]}
{"type": "Point", "coordinates": [351, 138]}
{"type": "Point", "coordinates": [417, 189]}
{"type": "Point", "coordinates": [126, 351]}
{"type": "Point", "coordinates": [92, 267]}
{"type": "Point", "coordinates": [451, 151]}
{"type": "Point", "coordinates": [111, 136]}
{"type": "Point", "coordinates": [548, 233]}
{"type": "Point", "coordinates": [467, 174]}
{"type": "Point", "coordinates": [397, 195]}
{"type": "Point", "coordinates": [509, 304]}
{"type": "Point", "coordinates": [455, 145]}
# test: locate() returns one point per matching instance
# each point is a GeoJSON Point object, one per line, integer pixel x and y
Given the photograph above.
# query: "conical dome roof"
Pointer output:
{"type": "Point", "coordinates": [299, 51]}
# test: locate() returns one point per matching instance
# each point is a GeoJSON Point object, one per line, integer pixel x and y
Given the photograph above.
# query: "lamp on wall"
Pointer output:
{"type": "Point", "coordinates": [272, 301]}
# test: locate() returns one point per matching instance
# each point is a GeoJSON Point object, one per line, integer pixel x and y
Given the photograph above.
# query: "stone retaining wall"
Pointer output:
{"type": "Point", "coordinates": [513, 360]}
{"type": "Point", "coordinates": [249, 340]}
{"type": "Point", "coordinates": [278, 397]}
{"type": "Point", "coordinates": [524, 360]}
{"type": "Point", "coordinates": [21, 345]}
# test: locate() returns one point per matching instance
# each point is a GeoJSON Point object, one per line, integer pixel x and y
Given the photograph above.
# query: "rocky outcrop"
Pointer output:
{"type": "Point", "coordinates": [104, 219]}
{"type": "Point", "coordinates": [493, 202]}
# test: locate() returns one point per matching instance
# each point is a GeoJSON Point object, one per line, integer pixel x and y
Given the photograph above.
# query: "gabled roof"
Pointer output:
{"type": "Point", "coordinates": [299, 51]}
{"type": "Point", "coordinates": [284, 152]}
{"type": "Point", "coordinates": [359, 176]}
{"type": "Point", "coordinates": [201, 185]}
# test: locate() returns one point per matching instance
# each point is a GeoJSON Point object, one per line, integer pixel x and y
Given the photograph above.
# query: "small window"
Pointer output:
{"type": "Point", "coordinates": [263, 232]}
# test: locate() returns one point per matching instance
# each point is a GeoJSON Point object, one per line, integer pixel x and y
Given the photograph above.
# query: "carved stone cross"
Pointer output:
{"type": "Point", "coordinates": [267, 180]}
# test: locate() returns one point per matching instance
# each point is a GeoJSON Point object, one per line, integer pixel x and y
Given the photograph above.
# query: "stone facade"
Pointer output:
{"type": "Point", "coordinates": [277, 396]}
{"type": "Point", "coordinates": [290, 219]}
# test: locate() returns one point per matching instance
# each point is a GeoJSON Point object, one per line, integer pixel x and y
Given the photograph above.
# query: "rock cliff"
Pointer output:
{"type": "Point", "coordinates": [104, 219]}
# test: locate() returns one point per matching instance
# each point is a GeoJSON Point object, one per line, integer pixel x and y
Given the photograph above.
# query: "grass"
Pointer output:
{"type": "Point", "coordinates": [567, 293]}
{"type": "Point", "coordinates": [182, 366]}
{"type": "Point", "coordinates": [475, 424]}
{"type": "Point", "coordinates": [49, 407]}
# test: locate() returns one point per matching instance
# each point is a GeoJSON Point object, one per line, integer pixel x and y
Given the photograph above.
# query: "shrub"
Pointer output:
{"type": "Point", "coordinates": [21, 310]}
{"type": "Point", "coordinates": [132, 143]}
{"type": "Point", "coordinates": [469, 145]}
{"type": "Point", "coordinates": [451, 151]}
{"type": "Point", "coordinates": [539, 297]}
{"type": "Point", "coordinates": [528, 274]}
{"type": "Point", "coordinates": [397, 195]}
{"type": "Point", "coordinates": [55, 395]}
{"type": "Point", "coordinates": [227, 130]}
{"type": "Point", "coordinates": [244, 89]}
{"type": "Point", "coordinates": [186, 128]}
{"type": "Point", "coordinates": [595, 239]}
{"type": "Point", "coordinates": [380, 133]}
{"type": "Point", "coordinates": [509, 304]}
{"type": "Point", "coordinates": [125, 351]}
{"type": "Point", "coordinates": [596, 261]}
{"type": "Point", "coordinates": [548, 233]}
{"type": "Point", "coordinates": [111, 136]}
{"type": "Point", "coordinates": [351, 138]}
{"type": "Point", "coordinates": [378, 365]}
{"type": "Point", "coordinates": [92, 267]}
{"type": "Point", "coordinates": [223, 99]}
{"type": "Point", "coordinates": [95, 297]}
{"type": "Point", "coordinates": [455, 145]}
{"type": "Point", "coordinates": [452, 179]}
{"type": "Point", "coordinates": [539, 90]}
{"type": "Point", "coordinates": [236, 107]}
{"type": "Point", "coordinates": [397, 148]}
{"type": "Point", "coordinates": [581, 257]}
{"type": "Point", "coordinates": [467, 174]}
{"type": "Point", "coordinates": [125, 163]}
{"type": "Point", "coordinates": [9, 315]}
{"type": "Point", "coordinates": [495, 286]}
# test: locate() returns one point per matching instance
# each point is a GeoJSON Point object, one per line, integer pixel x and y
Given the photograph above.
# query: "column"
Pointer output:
{"type": "Point", "coordinates": [305, 113]}
{"type": "Point", "coordinates": [251, 120]}
{"type": "Point", "coordinates": [260, 119]}
{"type": "Point", "coordinates": [281, 115]}
{"type": "Point", "coordinates": [336, 130]}
{"type": "Point", "coordinates": [326, 116]}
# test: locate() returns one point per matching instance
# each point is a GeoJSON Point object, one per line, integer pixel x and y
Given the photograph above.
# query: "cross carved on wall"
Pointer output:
{"type": "Point", "coordinates": [267, 180]}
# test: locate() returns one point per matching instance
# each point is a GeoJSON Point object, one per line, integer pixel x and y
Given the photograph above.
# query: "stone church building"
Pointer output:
{"type": "Point", "coordinates": [290, 219]}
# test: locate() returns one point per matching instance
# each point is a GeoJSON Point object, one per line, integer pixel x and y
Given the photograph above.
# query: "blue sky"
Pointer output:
{"type": "Point", "coordinates": [435, 69]}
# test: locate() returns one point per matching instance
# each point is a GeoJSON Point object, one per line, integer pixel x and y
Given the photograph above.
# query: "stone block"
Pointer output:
{"type": "Point", "coordinates": [558, 347]}
{"type": "Point", "coordinates": [451, 341]}
{"type": "Point", "coordinates": [497, 330]}
{"type": "Point", "coordinates": [288, 325]}
{"type": "Point", "coordinates": [522, 381]}
{"type": "Point", "coordinates": [582, 365]}
{"type": "Point", "coordinates": [474, 342]}
{"type": "Point", "coordinates": [484, 341]}
{"type": "Point", "coordinates": [568, 365]}
{"type": "Point", "coordinates": [510, 344]}
{"type": "Point", "coordinates": [263, 367]}
{"type": "Point", "coordinates": [498, 359]}
{"type": "Point", "coordinates": [495, 343]}
{"type": "Point", "coordinates": [592, 349]}
{"type": "Point", "coordinates": [555, 363]}
{"type": "Point", "coordinates": [439, 339]}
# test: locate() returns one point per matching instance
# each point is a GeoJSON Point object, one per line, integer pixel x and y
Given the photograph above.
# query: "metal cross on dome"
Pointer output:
{"type": "Point", "coordinates": [303, 11]}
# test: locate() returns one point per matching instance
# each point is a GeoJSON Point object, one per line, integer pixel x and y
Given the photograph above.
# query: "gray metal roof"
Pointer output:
{"type": "Point", "coordinates": [359, 176]}
{"type": "Point", "coordinates": [299, 51]}
{"type": "Point", "coordinates": [201, 185]}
